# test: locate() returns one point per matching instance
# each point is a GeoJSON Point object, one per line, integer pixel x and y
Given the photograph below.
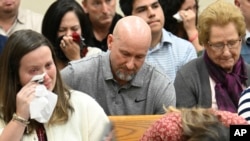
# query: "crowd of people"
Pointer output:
{"type": "Point", "coordinates": [82, 62]}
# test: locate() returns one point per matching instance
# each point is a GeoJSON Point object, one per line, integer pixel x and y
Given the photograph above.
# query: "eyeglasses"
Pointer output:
{"type": "Point", "coordinates": [220, 45]}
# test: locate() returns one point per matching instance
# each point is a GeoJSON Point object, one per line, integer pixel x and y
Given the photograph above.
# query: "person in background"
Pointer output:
{"type": "Point", "coordinates": [3, 40]}
{"type": "Point", "coordinates": [64, 24]}
{"type": "Point", "coordinates": [120, 81]}
{"type": "Point", "coordinates": [217, 78]}
{"type": "Point", "coordinates": [76, 116]}
{"type": "Point", "coordinates": [13, 18]}
{"type": "Point", "coordinates": [244, 6]}
{"type": "Point", "coordinates": [167, 51]}
{"type": "Point", "coordinates": [102, 18]}
{"type": "Point", "coordinates": [244, 105]}
{"type": "Point", "coordinates": [192, 124]}
{"type": "Point", "coordinates": [185, 27]}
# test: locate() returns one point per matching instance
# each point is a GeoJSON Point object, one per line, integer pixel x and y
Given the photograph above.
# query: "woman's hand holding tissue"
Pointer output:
{"type": "Point", "coordinates": [189, 19]}
{"type": "Point", "coordinates": [34, 101]}
{"type": "Point", "coordinates": [24, 98]}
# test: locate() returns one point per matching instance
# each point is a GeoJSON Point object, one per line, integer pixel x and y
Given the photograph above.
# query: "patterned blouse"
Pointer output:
{"type": "Point", "coordinates": [169, 128]}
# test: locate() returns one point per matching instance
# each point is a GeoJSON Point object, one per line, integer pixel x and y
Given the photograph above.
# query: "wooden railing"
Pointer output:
{"type": "Point", "coordinates": [131, 127]}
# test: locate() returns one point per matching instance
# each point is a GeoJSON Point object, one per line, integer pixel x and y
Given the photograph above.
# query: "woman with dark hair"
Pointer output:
{"type": "Point", "coordinates": [185, 25]}
{"type": "Point", "coordinates": [64, 25]}
{"type": "Point", "coordinates": [75, 116]}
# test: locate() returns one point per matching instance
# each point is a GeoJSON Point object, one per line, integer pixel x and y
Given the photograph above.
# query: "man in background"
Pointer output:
{"type": "Point", "coordinates": [102, 18]}
{"type": "Point", "coordinates": [167, 51]}
{"type": "Point", "coordinates": [13, 18]}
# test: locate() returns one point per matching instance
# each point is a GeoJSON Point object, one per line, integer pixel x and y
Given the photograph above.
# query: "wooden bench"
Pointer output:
{"type": "Point", "coordinates": [131, 127]}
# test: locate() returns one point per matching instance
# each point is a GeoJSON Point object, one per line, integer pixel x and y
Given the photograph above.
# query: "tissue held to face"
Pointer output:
{"type": "Point", "coordinates": [37, 62]}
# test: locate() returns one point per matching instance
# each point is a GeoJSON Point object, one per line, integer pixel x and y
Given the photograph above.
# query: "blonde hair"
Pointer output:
{"type": "Point", "coordinates": [200, 124]}
{"type": "Point", "coordinates": [220, 13]}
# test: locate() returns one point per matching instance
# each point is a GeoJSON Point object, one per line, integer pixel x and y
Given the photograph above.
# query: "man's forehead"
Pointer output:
{"type": "Point", "coordinates": [144, 3]}
{"type": "Point", "coordinates": [96, 0]}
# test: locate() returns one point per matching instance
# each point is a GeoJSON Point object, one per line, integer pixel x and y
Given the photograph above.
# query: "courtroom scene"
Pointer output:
{"type": "Point", "coordinates": [125, 70]}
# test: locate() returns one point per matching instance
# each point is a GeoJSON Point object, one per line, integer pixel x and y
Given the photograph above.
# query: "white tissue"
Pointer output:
{"type": "Point", "coordinates": [177, 17]}
{"type": "Point", "coordinates": [38, 78]}
{"type": "Point", "coordinates": [42, 106]}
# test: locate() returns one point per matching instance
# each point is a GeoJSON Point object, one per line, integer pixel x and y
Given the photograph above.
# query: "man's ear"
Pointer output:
{"type": "Point", "coordinates": [110, 41]}
{"type": "Point", "coordinates": [84, 6]}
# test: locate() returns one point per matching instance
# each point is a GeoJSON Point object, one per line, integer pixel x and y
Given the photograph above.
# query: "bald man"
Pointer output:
{"type": "Point", "coordinates": [120, 80]}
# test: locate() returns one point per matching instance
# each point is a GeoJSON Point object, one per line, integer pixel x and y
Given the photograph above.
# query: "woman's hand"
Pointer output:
{"type": "Point", "coordinates": [70, 48]}
{"type": "Point", "coordinates": [23, 99]}
{"type": "Point", "coordinates": [189, 21]}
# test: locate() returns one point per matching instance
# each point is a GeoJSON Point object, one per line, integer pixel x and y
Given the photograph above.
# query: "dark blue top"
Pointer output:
{"type": "Point", "coordinates": [3, 40]}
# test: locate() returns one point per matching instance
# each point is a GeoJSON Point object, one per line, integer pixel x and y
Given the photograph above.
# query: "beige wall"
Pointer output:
{"type": "Point", "coordinates": [41, 6]}
{"type": "Point", "coordinates": [204, 3]}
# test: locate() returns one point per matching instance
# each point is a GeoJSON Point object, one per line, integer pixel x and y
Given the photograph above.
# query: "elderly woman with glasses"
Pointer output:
{"type": "Point", "coordinates": [216, 79]}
